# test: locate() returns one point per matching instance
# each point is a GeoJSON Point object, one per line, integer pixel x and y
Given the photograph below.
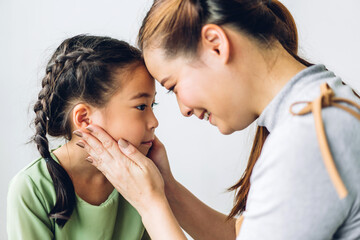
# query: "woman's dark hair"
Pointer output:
{"type": "Point", "coordinates": [81, 70]}
{"type": "Point", "coordinates": [175, 26]}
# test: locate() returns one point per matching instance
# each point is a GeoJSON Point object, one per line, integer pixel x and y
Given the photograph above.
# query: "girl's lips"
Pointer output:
{"type": "Point", "coordinates": [148, 143]}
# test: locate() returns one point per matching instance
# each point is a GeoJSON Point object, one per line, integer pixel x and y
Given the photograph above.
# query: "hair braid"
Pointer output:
{"type": "Point", "coordinates": [64, 188]}
{"type": "Point", "coordinates": [65, 193]}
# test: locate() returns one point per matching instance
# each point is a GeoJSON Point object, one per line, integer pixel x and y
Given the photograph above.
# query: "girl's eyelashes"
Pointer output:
{"type": "Point", "coordinates": [142, 107]}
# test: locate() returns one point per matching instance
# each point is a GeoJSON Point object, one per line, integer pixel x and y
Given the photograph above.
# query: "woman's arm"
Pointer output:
{"type": "Point", "coordinates": [198, 219]}
{"type": "Point", "coordinates": [139, 180]}
{"type": "Point", "coordinates": [160, 222]}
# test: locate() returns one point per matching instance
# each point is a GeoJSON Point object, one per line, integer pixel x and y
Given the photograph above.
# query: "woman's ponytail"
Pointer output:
{"type": "Point", "coordinates": [285, 30]}
{"type": "Point", "coordinates": [242, 187]}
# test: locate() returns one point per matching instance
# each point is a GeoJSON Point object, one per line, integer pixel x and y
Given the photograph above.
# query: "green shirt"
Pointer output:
{"type": "Point", "coordinates": [32, 195]}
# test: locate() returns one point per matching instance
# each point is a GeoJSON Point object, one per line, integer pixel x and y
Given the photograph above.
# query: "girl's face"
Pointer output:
{"type": "Point", "coordinates": [203, 87]}
{"type": "Point", "coordinates": [128, 114]}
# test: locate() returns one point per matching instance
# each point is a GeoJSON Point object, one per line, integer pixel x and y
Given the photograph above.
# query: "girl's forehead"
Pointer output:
{"type": "Point", "coordinates": [136, 82]}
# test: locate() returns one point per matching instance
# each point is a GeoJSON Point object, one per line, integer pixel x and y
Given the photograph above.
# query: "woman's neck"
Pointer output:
{"type": "Point", "coordinates": [274, 68]}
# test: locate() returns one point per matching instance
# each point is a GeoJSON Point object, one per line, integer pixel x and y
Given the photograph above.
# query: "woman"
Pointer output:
{"type": "Point", "coordinates": [233, 62]}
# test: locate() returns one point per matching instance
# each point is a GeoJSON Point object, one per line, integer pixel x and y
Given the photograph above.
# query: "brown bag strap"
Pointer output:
{"type": "Point", "coordinates": [327, 99]}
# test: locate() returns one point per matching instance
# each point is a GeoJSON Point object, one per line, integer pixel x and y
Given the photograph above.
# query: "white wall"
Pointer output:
{"type": "Point", "coordinates": [201, 158]}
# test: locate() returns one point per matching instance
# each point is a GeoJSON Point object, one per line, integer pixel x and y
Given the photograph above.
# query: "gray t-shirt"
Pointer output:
{"type": "Point", "coordinates": [291, 194]}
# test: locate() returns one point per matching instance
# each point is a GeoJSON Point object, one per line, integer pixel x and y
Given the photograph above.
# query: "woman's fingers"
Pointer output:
{"type": "Point", "coordinates": [134, 175]}
{"type": "Point", "coordinates": [94, 159]}
{"type": "Point", "coordinates": [158, 155]}
{"type": "Point", "coordinates": [132, 153]}
{"type": "Point", "coordinates": [108, 143]}
{"type": "Point", "coordinates": [96, 150]}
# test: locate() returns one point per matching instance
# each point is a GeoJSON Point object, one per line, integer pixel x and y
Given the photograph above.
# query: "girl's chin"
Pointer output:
{"type": "Point", "coordinates": [143, 149]}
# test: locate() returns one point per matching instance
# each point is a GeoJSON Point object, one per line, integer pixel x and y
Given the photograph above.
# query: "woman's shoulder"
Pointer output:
{"type": "Point", "coordinates": [293, 146]}
{"type": "Point", "coordinates": [341, 127]}
{"type": "Point", "coordinates": [297, 134]}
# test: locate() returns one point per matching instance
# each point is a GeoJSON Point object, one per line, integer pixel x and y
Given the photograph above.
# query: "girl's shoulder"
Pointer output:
{"type": "Point", "coordinates": [30, 198]}
{"type": "Point", "coordinates": [33, 181]}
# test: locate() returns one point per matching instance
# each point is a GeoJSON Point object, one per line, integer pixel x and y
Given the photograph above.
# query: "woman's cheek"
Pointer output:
{"type": "Point", "coordinates": [187, 97]}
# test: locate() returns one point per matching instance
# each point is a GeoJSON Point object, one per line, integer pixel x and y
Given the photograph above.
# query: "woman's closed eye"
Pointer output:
{"type": "Point", "coordinates": [171, 90]}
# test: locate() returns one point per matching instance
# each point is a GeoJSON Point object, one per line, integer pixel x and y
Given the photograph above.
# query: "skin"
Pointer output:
{"type": "Point", "coordinates": [127, 115]}
{"type": "Point", "coordinates": [234, 78]}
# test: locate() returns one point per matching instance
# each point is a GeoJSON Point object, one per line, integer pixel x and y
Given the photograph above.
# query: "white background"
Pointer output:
{"type": "Point", "coordinates": [202, 159]}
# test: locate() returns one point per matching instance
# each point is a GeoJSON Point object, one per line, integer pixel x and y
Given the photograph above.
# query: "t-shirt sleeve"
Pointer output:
{"type": "Point", "coordinates": [291, 194]}
{"type": "Point", "coordinates": [26, 211]}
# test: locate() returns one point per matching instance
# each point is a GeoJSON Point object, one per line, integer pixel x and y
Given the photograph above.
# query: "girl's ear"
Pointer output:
{"type": "Point", "coordinates": [215, 40]}
{"type": "Point", "coordinates": [81, 116]}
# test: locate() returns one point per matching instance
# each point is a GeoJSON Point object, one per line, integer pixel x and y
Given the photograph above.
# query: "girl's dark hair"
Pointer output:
{"type": "Point", "coordinates": [81, 70]}
{"type": "Point", "coordinates": [175, 26]}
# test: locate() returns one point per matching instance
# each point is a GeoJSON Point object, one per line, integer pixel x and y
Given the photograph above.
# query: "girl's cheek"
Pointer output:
{"type": "Point", "coordinates": [128, 130]}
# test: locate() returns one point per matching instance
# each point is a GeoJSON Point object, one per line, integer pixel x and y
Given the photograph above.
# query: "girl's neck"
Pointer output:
{"type": "Point", "coordinates": [72, 159]}
{"type": "Point", "coordinates": [89, 183]}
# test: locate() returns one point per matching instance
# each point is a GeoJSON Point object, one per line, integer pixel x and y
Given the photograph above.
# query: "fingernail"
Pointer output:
{"type": "Point", "coordinates": [80, 144]}
{"type": "Point", "coordinates": [90, 128]}
{"type": "Point", "coordinates": [122, 143]}
{"type": "Point", "coordinates": [78, 133]}
{"type": "Point", "coordinates": [89, 160]}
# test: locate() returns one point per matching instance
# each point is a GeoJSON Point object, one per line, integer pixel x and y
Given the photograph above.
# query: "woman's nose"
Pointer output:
{"type": "Point", "coordinates": [186, 111]}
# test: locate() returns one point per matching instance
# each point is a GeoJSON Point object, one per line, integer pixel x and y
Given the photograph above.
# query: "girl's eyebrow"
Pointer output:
{"type": "Point", "coordinates": [142, 95]}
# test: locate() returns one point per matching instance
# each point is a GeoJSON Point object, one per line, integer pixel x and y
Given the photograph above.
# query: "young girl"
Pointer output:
{"type": "Point", "coordinates": [89, 80]}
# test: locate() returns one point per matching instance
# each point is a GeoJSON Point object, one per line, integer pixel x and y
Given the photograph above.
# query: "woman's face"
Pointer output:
{"type": "Point", "coordinates": [202, 89]}
{"type": "Point", "coordinates": [128, 114]}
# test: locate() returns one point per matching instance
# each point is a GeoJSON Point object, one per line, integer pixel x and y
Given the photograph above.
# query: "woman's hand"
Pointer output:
{"type": "Point", "coordinates": [135, 176]}
{"type": "Point", "coordinates": [158, 155]}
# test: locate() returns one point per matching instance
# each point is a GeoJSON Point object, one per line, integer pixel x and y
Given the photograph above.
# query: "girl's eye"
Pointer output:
{"type": "Point", "coordinates": [171, 90]}
{"type": "Point", "coordinates": [154, 104]}
{"type": "Point", "coordinates": [141, 107]}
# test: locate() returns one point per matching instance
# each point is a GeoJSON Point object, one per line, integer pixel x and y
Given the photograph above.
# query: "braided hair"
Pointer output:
{"type": "Point", "coordinates": [80, 70]}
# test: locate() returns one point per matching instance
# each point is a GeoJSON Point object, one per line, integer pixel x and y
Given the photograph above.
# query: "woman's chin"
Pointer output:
{"type": "Point", "coordinates": [225, 130]}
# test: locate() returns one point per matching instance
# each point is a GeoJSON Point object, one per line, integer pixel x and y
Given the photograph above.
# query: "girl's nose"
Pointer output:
{"type": "Point", "coordinates": [153, 123]}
